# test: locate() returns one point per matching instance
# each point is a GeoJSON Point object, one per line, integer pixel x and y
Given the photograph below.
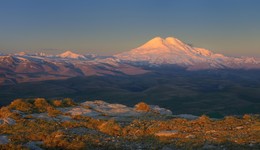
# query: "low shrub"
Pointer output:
{"type": "Point", "coordinates": [41, 104]}
{"type": "Point", "coordinates": [52, 112]}
{"type": "Point", "coordinates": [68, 102]}
{"type": "Point", "coordinates": [57, 103]}
{"type": "Point", "coordinates": [59, 140]}
{"type": "Point", "coordinates": [22, 105]}
{"type": "Point", "coordinates": [110, 127]}
{"type": "Point", "coordinates": [142, 107]}
{"type": "Point", "coordinates": [5, 112]}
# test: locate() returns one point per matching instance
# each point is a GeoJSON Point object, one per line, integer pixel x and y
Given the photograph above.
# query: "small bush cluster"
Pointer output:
{"type": "Point", "coordinates": [22, 105]}
{"type": "Point", "coordinates": [142, 107]}
{"type": "Point", "coordinates": [110, 127]}
{"type": "Point", "coordinates": [5, 112]}
{"type": "Point", "coordinates": [66, 102]}
{"type": "Point", "coordinates": [57, 103]}
{"type": "Point", "coordinates": [59, 140]}
{"type": "Point", "coordinates": [40, 105]}
{"type": "Point", "coordinates": [52, 112]}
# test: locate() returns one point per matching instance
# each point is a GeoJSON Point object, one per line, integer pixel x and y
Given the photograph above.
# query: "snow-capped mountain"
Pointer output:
{"type": "Point", "coordinates": [71, 55]}
{"type": "Point", "coordinates": [21, 54]}
{"type": "Point", "coordinates": [75, 56]}
{"type": "Point", "coordinates": [171, 50]}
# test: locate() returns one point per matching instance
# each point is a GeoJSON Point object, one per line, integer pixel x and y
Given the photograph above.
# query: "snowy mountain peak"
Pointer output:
{"type": "Point", "coordinates": [173, 41]}
{"type": "Point", "coordinates": [71, 55]}
{"type": "Point", "coordinates": [173, 51]}
{"type": "Point", "coordinates": [154, 43]}
{"type": "Point", "coordinates": [169, 42]}
{"type": "Point", "coordinates": [21, 53]}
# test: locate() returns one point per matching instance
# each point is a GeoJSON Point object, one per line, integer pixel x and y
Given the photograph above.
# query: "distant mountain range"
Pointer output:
{"type": "Point", "coordinates": [165, 72]}
{"type": "Point", "coordinates": [23, 67]}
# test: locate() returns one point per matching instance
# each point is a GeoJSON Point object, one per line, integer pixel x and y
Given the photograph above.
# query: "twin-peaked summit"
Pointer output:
{"type": "Point", "coordinates": [171, 50]}
{"type": "Point", "coordinates": [171, 45]}
{"type": "Point", "coordinates": [168, 51]}
{"type": "Point", "coordinates": [159, 42]}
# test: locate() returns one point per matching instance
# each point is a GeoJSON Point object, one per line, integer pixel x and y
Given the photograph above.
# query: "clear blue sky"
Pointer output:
{"type": "Point", "coordinates": [231, 27]}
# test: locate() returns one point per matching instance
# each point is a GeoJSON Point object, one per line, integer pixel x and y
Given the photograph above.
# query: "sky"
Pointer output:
{"type": "Point", "coordinates": [106, 27]}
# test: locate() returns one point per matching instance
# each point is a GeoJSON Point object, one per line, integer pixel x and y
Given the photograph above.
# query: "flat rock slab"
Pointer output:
{"type": "Point", "coordinates": [8, 121]}
{"type": "Point", "coordinates": [119, 110]}
{"type": "Point", "coordinates": [34, 145]}
{"type": "Point", "coordinates": [4, 139]}
{"type": "Point", "coordinates": [79, 110]}
{"type": "Point", "coordinates": [45, 116]}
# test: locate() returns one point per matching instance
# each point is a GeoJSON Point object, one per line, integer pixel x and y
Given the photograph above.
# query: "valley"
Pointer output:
{"type": "Point", "coordinates": [200, 92]}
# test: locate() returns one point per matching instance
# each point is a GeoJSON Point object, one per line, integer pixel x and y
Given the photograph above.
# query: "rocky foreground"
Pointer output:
{"type": "Point", "coordinates": [62, 124]}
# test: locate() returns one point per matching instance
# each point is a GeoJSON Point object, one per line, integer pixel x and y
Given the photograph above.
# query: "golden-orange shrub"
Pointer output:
{"type": "Point", "coordinates": [22, 105]}
{"type": "Point", "coordinates": [142, 107]}
{"type": "Point", "coordinates": [57, 103]}
{"type": "Point", "coordinates": [41, 104]}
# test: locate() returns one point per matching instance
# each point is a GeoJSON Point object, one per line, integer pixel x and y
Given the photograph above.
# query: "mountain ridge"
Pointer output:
{"type": "Point", "coordinates": [24, 67]}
